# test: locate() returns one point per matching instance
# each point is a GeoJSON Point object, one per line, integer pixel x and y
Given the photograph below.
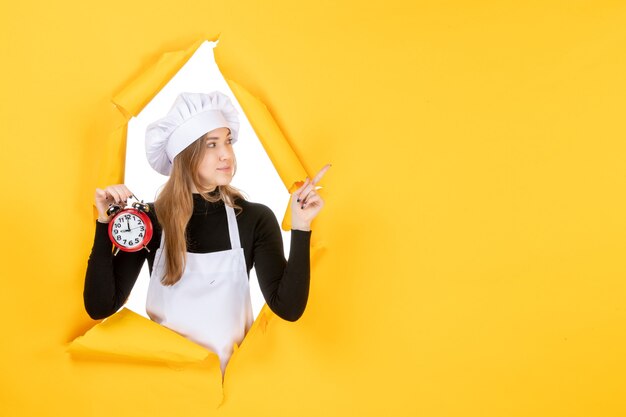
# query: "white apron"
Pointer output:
{"type": "Point", "coordinates": [210, 304]}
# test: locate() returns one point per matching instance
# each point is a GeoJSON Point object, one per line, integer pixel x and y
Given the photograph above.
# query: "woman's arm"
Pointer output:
{"type": "Point", "coordinates": [284, 284]}
{"type": "Point", "coordinates": [109, 279]}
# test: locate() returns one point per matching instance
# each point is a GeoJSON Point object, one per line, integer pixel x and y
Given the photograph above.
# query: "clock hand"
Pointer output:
{"type": "Point", "coordinates": [126, 230]}
{"type": "Point", "coordinates": [128, 223]}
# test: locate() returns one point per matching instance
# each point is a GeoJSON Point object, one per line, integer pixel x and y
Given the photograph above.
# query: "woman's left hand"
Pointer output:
{"type": "Point", "coordinates": [306, 203]}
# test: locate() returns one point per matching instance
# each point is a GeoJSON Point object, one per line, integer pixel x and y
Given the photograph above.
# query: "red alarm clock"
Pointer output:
{"type": "Point", "coordinates": [130, 229]}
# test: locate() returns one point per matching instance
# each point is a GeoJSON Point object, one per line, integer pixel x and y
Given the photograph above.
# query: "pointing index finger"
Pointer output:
{"type": "Point", "coordinates": [320, 174]}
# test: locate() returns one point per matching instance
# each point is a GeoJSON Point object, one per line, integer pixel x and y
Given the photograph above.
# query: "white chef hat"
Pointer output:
{"type": "Point", "coordinates": [191, 116]}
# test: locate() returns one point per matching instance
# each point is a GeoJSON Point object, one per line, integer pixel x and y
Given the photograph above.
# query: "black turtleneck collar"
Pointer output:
{"type": "Point", "coordinates": [201, 206]}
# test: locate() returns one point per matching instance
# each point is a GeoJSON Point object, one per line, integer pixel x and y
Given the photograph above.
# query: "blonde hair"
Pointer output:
{"type": "Point", "coordinates": [174, 206]}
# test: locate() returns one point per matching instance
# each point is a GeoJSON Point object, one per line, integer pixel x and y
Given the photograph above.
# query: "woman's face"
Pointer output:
{"type": "Point", "coordinates": [218, 164]}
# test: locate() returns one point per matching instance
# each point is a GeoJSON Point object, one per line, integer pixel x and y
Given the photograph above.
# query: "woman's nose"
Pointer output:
{"type": "Point", "coordinates": [226, 154]}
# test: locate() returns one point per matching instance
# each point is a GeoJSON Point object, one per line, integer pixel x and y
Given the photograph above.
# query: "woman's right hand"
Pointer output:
{"type": "Point", "coordinates": [113, 194]}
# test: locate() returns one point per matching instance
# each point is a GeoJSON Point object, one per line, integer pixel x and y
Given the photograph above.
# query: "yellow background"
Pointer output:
{"type": "Point", "coordinates": [474, 224]}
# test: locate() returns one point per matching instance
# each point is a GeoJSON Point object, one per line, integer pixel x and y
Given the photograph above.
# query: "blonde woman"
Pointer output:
{"type": "Point", "coordinates": [206, 236]}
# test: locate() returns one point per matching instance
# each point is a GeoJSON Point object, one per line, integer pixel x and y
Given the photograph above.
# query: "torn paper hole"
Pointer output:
{"type": "Point", "coordinates": [256, 175]}
{"type": "Point", "coordinates": [198, 72]}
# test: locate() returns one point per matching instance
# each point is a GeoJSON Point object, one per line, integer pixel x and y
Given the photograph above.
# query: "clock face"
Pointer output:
{"type": "Point", "coordinates": [128, 230]}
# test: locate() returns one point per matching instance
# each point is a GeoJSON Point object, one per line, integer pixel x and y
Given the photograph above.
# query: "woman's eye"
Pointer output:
{"type": "Point", "coordinates": [213, 144]}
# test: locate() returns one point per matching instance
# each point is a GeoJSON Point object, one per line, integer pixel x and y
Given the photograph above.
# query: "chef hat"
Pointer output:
{"type": "Point", "coordinates": [191, 116]}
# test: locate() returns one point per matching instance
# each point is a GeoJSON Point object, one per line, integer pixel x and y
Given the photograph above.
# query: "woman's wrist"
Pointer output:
{"type": "Point", "coordinates": [303, 227]}
{"type": "Point", "coordinates": [101, 220]}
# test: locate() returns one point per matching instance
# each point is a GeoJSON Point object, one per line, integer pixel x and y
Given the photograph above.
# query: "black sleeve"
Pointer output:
{"type": "Point", "coordinates": [284, 284]}
{"type": "Point", "coordinates": [109, 279]}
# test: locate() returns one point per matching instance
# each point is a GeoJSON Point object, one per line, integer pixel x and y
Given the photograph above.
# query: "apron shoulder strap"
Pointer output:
{"type": "Point", "coordinates": [233, 230]}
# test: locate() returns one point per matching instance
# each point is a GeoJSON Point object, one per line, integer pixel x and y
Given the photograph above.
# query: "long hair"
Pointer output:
{"type": "Point", "coordinates": [174, 206]}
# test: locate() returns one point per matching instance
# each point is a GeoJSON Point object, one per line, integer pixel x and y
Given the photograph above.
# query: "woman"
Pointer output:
{"type": "Point", "coordinates": [202, 251]}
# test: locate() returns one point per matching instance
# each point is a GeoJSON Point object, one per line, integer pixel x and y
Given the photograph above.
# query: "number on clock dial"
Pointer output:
{"type": "Point", "coordinates": [126, 237]}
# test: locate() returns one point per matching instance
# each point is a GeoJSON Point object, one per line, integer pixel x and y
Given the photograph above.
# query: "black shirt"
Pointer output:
{"type": "Point", "coordinates": [285, 284]}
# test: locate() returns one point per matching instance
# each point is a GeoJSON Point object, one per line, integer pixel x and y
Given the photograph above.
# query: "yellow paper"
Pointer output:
{"type": "Point", "coordinates": [127, 335]}
{"type": "Point", "coordinates": [475, 207]}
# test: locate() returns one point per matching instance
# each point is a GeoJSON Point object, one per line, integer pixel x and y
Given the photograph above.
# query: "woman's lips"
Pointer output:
{"type": "Point", "coordinates": [223, 169]}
